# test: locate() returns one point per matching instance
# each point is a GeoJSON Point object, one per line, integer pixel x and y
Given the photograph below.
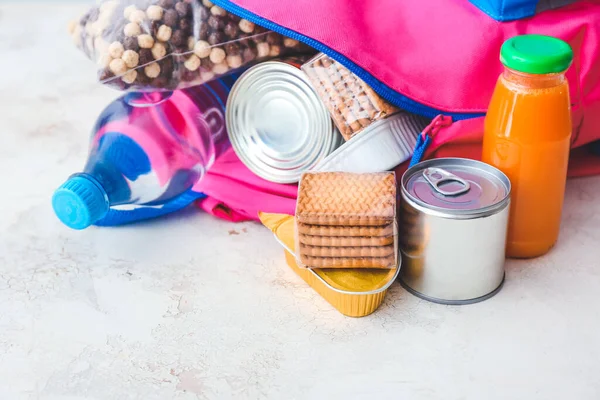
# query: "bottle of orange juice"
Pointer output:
{"type": "Point", "coordinates": [527, 136]}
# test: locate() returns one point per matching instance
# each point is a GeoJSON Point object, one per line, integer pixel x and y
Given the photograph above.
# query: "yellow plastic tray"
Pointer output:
{"type": "Point", "coordinates": [352, 291]}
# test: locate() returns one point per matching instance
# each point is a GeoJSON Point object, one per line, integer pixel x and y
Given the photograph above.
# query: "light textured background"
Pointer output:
{"type": "Point", "coordinates": [190, 307]}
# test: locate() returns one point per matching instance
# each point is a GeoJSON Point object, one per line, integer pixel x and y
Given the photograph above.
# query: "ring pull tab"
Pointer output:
{"type": "Point", "coordinates": [437, 176]}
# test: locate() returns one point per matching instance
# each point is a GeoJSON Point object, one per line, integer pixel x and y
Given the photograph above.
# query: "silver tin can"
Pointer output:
{"type": "Point", "coordinates": [453, 226]}
{"type": "Point", "coordinates": [277, 124]}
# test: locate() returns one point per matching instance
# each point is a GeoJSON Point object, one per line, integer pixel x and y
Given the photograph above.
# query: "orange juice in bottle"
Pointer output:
{"type": "Point", "coordinates": [527, 136]}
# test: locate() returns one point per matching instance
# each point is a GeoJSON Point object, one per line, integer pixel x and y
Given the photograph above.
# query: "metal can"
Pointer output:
{"type": "Point", "coordinates": [453, 226]}
{"type": "Point", "coordinates": [277, 124]}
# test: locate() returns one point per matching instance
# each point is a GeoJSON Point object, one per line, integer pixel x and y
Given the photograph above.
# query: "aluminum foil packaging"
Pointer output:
{"type": "Point", "coordinates": [148, 45]}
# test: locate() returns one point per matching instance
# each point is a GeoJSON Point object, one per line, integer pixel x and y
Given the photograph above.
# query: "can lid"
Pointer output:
{"type": "Point", "coordinates": [277, 124]}
{"type": "Point", "coordinates": [457, 186]}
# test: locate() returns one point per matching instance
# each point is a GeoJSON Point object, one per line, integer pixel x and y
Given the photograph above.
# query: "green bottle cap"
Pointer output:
{"type": "Point", "coordinates": [536, 54]}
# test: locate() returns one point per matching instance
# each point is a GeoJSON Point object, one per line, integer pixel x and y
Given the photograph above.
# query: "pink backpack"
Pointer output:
{"type": "Point", "coordinates": [441, 57]}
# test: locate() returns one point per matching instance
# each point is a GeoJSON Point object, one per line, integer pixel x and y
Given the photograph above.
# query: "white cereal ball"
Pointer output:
{"type": "Point", "coordinates": [202, 49]}
{"type": "Point", "coordinates": [220, 69]}
{"type": "Point", "coordinates": [132, 29]}
{"type": "Point", "coordinates": [145, 41]}
{"type": "Point", "coordinates": [159, 51]}
{"type": "Point", "coordinates": [207, 3]}
{"type": "Point", "coordinates": [130, 76]}
{"type": "Point", "coordinates": [263, 49]}
{"type": "Point", "coordinates": [234, 61]}
{"type": "Point", "coordinates": [155, 13]}
{"type": "Point", "coordinates": [191, 43]}
{"type": "Point", "coordinates": [131, 58]}
{"type": "Point", "coordinates": [164, 33]}
{"type": "Point", "coordinates": [275, 51]}
{"type": "Point", "coordinates": [246, 26]}
{"type": "Point", "coordinates": [217, 55]}
{"type": "Point", "coordinates": [218, 11]}
{"type": "Point", "coordinates": [128, 10]}
{"type": "Point", "coordinates": [104, 60]}
{"type": "Point", "coordinates": [118, 66]}
{"type": "Point", "coordinates": [137, 16]}
{"type": "Point", "coordinates": [206, 76]}
{"type": "Point", "coordinates": [116, 49]}
{"type": "Point", "coordinates": [192, 63]}
{"type": "Point", "coordinates": [289, 42]}
{"type": "Point", "coordinates": [152, 70]}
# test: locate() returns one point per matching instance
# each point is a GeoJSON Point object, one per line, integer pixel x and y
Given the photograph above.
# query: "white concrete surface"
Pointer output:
{"type": "Point", "coordinates": [184, 308]}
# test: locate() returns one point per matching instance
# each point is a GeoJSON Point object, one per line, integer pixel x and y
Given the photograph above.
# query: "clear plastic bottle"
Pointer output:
{"type": "Point", "coordinates": [527, 136]}
{"type": "Point", "coordinates": [147, 152]}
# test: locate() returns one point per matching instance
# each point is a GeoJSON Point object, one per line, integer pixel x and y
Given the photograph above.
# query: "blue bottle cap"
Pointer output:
{"type": "Point", "coordinates": [80, 202]}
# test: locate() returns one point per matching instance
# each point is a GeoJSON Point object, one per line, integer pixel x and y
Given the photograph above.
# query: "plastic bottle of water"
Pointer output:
{"type": "Point", "coordinates": [147, 152]}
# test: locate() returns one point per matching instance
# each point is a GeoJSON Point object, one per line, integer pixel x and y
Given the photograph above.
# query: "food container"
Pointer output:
{"type": "Point", "coordinates": [353, 105]}
{"type": "Point", "coordinates": [381, 147]}
{"type": "Point", "coordinates": [353, 292]}
{"type": "Point", "coordinates": [277, 124]}
{"type": "Point", "coordinates": [453, 226]}
{"type": "Point", "coordinates": [347, 220]}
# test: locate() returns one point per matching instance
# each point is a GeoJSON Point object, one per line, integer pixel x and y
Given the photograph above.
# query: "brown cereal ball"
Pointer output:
{"type": "Point", "coordinates": [183, 9]}
{"type": "Point", "coordinates": [178, 39]}
{"type": "Point", "coordinates": [130, 43]}
{"type": "Point", "coordinates": [152, 70]}
{"type": "Point", "coordinates": [217, 55]}
{"type": "Point", "coordinates": [131, 58]}
{"type": "Point", "coordinates": [170, 18]}
{"type": "Point", "coordinates": [116, 49]}
{"type": "Point", "coordinates": [216, 23]}
{"type": "Point", "coordinates": [146, 56]}
{"type": "Point", "coordinates": [165, 3]}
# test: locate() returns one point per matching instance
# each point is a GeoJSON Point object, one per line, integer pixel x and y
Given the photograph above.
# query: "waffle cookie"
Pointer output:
{"type": "Point", "coordinates": [345, 199]}
{"type": "Point", "coordinates": [346, 220]}
{"type": "Point", "coordinates": [353, 105]}
{"type": "Point", "coordinates": [346, 241]}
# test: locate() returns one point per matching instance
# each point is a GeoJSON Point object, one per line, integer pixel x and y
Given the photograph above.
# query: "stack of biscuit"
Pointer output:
{"type": "Point", "coordinates": [346, 220]}
{"type": "Point", "coordinates": [353, 105]}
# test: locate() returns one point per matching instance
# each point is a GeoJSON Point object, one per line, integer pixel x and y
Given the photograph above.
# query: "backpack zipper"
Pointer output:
{"type": "Point", "coordinates": [383, 90]}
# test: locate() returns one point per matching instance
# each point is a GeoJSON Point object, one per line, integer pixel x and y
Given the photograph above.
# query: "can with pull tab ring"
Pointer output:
{"type": "Point", "coordinates": [453, 226]}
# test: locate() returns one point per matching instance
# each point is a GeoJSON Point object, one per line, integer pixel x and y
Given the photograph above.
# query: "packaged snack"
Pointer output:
{"type": "Point", "coordinates": [382, 146]}
{"type": "Point", "coordinates": [346, 220]}
{"type": "Point", "coordinates": [353, 292]}
{"type": "Point", "coordinates": [146, 45]}
{"type": "Point", "coordinates": [353, 105]}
